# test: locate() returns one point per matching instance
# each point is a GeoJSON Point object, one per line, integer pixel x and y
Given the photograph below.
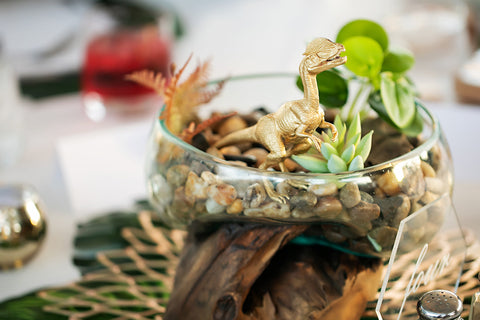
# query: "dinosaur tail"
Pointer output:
{"type": "Point", "coordinates": [244, 135]}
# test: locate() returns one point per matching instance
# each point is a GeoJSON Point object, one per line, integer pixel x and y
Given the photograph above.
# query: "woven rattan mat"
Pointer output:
{"type": "Point", "coordinates": [136, 281]}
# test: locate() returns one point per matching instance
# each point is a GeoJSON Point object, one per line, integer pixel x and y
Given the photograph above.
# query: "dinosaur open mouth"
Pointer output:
{"type": "Point", "coordinates": [334, 58]}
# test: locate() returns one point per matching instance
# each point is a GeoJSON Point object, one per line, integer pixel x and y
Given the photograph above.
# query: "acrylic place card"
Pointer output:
{"type": "Point", "coordinates": [430, 248]}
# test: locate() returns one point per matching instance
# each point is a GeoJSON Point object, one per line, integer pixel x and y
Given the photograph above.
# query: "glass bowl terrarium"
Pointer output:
{"type": "Point", "coordinates": [357, 211]}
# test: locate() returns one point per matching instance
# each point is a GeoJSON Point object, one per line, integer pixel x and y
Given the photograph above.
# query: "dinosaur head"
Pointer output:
{"type": "Point", "coordinates": [323, 54]}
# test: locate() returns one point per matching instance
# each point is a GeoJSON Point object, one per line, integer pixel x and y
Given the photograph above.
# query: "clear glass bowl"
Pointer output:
{"type": "Point", "coordinates": [358, 212]}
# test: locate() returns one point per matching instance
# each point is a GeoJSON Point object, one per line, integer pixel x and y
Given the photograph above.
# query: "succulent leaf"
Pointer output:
{"type": "Point", "coordinates": [353, 140]}
{"type": "Point", "coordinates": [364, 146]}
{"type": "Point", "coordinates": [348, 154]}
{"type": "Point", "coordinates": [356, 164]}
{"type": "Point", "coordinates": [336, 164]}
{"type": "Point", "coordinates": [354, 128]}
{"type": "Point", "coordinates": [311, 163]}
{"type": "Point", "coordinates": [328, 150]}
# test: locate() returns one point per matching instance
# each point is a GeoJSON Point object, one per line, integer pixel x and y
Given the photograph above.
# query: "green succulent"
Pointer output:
{"type": "Point", "coordinates": [346, 153]}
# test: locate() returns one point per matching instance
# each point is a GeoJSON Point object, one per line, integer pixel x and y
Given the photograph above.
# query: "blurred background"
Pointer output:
{"type": "Point", "coordinates": [47, 38]}
{"type": "Point", "coordinates": [71, 126]}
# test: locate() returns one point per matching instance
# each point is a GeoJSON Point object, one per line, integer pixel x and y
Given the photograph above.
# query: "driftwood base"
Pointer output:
{"type": "Point", "coordinates": [251, 271]}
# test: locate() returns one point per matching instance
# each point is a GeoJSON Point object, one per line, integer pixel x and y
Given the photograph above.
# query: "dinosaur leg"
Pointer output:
{"type": "Point", "coordinates": [298, 149]}
{"type": "Point", "coordinates": [332, 127]}
{"type": "Point", "coordinates": [270, 139]}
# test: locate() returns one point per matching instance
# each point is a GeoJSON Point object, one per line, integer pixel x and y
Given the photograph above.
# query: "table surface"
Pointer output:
{"type": "Point", "coordinates": [212, 32]}
{"type": "Point", "coordinates": [53, 120]}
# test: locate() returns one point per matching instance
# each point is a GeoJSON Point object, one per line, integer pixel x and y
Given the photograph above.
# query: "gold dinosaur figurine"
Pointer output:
{"type": "Point", "coordinates": [289, 130]}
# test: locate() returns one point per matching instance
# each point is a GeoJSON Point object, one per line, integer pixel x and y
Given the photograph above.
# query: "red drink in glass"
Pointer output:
{"type": "Point", "coordinates": [110, 57]}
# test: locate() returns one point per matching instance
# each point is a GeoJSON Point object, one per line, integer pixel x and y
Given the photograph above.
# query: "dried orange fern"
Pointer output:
{"type": "Point", "coordinates": [181, 99]}
{"type": "Point", "coordinates": [192, 130]}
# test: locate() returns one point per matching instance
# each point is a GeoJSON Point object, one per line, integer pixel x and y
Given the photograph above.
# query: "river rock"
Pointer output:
{"type": "Point", "coordinates": [435, 185]}
{"type": "Point", "coordinates": [413, 183]}
{"type": "Point", "coordinates": [384, 236]}
{"type": "Point", "coordinates": [394, 209]}
{"type": "Point", "coordinates": [427, 170]}
{"type": "Point", "coordinates": [388, 183]}
{"type": "Point", "coordinates": [303, 200]}
{"type": "Point", "coordinates": [364, 211]}
{"type": "Point", "coordinates": [195, 187]}
{"type": "Point", "coordinates": [272, 209]}
{"type": "Point", "coordinates": [349, 195]}
{"type": "Point", "coordinates": [231, 124]}
{"type": "Point", "coordinates": [235, 208]}
{"type": "Point", "coordinates": [254, 196]}
{"type": "Point", "coordinates": [177, 175]}
{"type": "Point", "coordinates": [328, 207]}
{"type": "Point", "coordinates": [224, 194]}
{"type": "Point", "coordinates": [326, 189]}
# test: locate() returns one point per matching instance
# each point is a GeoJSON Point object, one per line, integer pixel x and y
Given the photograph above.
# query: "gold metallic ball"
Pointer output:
{"type": "Point", "coordinates": [22, 225]}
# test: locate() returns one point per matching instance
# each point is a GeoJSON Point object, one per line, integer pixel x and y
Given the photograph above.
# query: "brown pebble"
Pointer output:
{"type": "Point", "coordinates": [333, 234]}
{"type": "Point", "coordinates": [285, 188]}
{"type": "Point", "coordinates": [231, 124]}
{"type": "Point", "coordinates": [213, 207]}
{"type": "Point", "coordinates": [384, 236]}
{"type": "Point", "coordinates": [276, 209]}
{"type": "Point", "coordinates": [271, 210]}
{"type": "Point", "coordinates": [350, 195]}
{"type": "Point", "coordinates": [235, 207]}
{"type": "Point", "coordinates": [413, 183]}
{"type": "Point", "coordinates": [388, 182]}
{"type": "Point", "coordinates": [435, 185]}
{"type": "Point", "coordinates": [254, 196]}
{"type": "Point", "coordinates": [258, 153]}
{"type": "Point", "coordinates": [209, 177]}
{"type": "Point", "coordinates": [427, 170]}
{"type": "Point", "coordinates": [364, 211]}
{"type": "Point", "coordinates": [231, 150]}
{"type": "Point", "coordinates": [328, 207]}
{"type": "Point", "coordinates": [215, 152]}
{"type": "Point", "coordinates": [177, 175]}
{"type": "Point", "coordinates": [303, 199]}
{"type": "Point", "coordinates": [195, 187]}
{"type": "Point", "coordinates": [324, 189]}
{"type": "Point", "coordinates": [428, 197]}
{"type": "Point", "coordinates": [395, 209]}
{"type": "Point", "coordinates": [224, 194]}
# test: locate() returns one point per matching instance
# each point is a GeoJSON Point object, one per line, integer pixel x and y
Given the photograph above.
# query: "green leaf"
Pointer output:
{"type": "Point", "coordinates": [336, 164]}
{"type": "Point", "coordinates": [348, 154]}
{"type": "Point", "coordinates": [376, 103]}
{"type": "Point", "coordinates": [366, 28]}
{"type": "Point", "coordinates": [28, 307]}
{"type": "Point", "coordinates": [328, 150]}
{"type": "Point", "coordinates": [341, 131]}
{"type": "Point", "coordinates": [412, 130]}
{"type": "Point", "coordinates": [353, 140]}
{"type": "Point", "coordinates": [365, 56]}
{"type": "Point", "coordinates": [364, 146]}
{"type": "Point", "coordinates": [398, 60]}
{"type": "Point", "coordinates": [416, 127]}
{"type": "Point", "coordinates": [354, 128]}
{"type": "Point", "coordinates": [356, 164]}
{"type": "Point", "coordinates": [311, 163]}
{"type": "Point", "coordinates": [398, 99]}
{"type": "Point", "coordinates": [332, 88]}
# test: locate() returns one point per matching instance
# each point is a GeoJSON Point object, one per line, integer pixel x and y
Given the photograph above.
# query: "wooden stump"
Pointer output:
{"type": "Point", "coordinates": [250, 271]}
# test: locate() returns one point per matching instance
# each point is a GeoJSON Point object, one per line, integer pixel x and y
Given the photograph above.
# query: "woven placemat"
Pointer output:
{"type": "Point", "coordinates": [135, 282]}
